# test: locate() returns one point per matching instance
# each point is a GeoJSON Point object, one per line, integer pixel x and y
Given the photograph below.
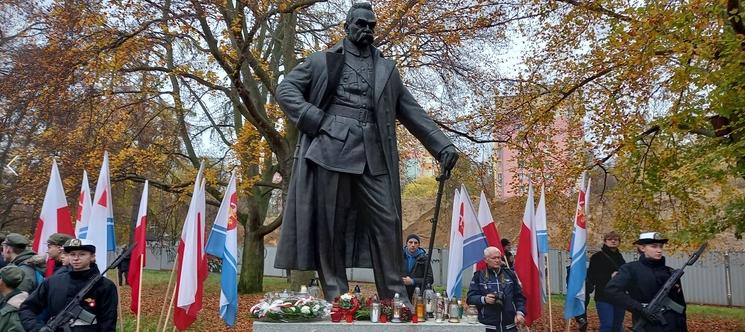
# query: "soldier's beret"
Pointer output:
{"type": "Point", "coordinates": [58, 239]}
{"type": "Point", "coordinates": [11, 276]}
{"type": "Point", "coordinates": [15, 240]}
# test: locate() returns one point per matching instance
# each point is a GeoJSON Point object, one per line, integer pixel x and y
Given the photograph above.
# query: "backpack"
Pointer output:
{"type": "Point", "coordinates": [39, 277]}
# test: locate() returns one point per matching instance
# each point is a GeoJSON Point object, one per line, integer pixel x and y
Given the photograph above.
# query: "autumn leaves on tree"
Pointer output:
{"type": "Point", "coordinates": [647, 95]}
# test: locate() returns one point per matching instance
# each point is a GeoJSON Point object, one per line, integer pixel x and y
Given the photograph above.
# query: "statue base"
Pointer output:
{"type": "Point", "coordinates": [367, 326]}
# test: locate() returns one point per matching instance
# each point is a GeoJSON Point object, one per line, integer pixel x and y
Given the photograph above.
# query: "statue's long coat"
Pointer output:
{"type": "Point", "coordinates": [303, 95]}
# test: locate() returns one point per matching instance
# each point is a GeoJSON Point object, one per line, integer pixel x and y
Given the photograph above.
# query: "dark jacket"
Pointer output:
{"type": "Point", "coordinates": [513, 300]}
{"type": "Point", "coordinates": [54, 294]}
{"type": "Point", "coordinates": [637, 283]}
{"type": "Point", "coordinates": [510, 258]}
{"type": "Point", "coordinates": [62, 269]}
{"type": "Point", "coordinates": [9, 320]}
{"type": "Point", "coordinates": [417, 271]}
{"type": "Point", "coordinates": [57, 266]}
{"type": "Point", "coordinates": [304, 94]}
{"type": "Point", "coordinates": [124, 266]}
{"type": "Point", "coordinates": [602, 265]}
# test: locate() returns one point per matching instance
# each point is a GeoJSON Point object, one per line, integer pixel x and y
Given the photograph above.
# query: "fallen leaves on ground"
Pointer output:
{"type": "Point", "coordinates": [153, 297]}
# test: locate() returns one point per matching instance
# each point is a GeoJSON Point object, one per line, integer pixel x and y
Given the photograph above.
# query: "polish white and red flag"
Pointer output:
{"type": "Point", "coordinates": [83, 214]}
{"type": "Point", "coordinates": [138, 254]}
{"type": "Point", "coordinates": [489, 228]}
{"type": "Point", "coordinates": [192, 261]}
{"type": "Point", "coordinates": [101, 221]}
{"type": "Point", "coordinates": [526, 262]}
{"type": "Point", "coordinates": [54, 217]}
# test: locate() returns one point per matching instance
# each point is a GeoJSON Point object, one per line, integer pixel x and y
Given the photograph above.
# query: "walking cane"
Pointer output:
{"type": "Point", "coordinates": [444, 175]}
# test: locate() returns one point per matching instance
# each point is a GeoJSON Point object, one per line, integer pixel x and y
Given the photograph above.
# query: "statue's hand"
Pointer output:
{"type": "Point", "coordinates": [448, 157]}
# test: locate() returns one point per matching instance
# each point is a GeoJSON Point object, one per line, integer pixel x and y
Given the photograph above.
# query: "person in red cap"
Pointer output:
{"type": "Point", "coordinates": [636, 283]}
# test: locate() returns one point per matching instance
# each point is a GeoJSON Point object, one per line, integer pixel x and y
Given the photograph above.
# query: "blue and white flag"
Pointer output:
{"type": "Point", "coordinates": [467, 241]}
{"type": "Point", "coordinates": [541, 231]}
{"type": "Point", "coordinates": [541, 234]}
{"type": "Point", "coordinates": [223, 243]}
{"type": "Point", "coordinates": [101, 222]}
{"type": "Point", "coordinates": [575, 300]}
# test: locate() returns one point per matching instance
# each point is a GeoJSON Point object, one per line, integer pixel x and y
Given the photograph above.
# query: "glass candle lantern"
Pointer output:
{"type": "Point", "coordinates": [397, 304]}
{"type": "Point", "coordinates": [472, 315]}
{"type": "Point", "coordinates": [313, 289]}
{"type": "Point", "coordinates": [439, 308]}
{"type": "Point", "coordinates": [429, 302]}
{"type": "Point", "coordinates": [375, 312]}
{"type": "Point", "coordinates": [454, 312]}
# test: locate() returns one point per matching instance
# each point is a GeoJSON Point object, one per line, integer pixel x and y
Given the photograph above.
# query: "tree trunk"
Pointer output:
{"type": "Point", "coordinates": [252, 271]}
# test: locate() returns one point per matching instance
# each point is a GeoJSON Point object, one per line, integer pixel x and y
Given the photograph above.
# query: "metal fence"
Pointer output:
{"type": "Point", "coordinates": [717, 277]}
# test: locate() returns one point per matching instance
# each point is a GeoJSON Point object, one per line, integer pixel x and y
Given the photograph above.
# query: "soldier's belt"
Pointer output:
{"type": "Point", "coordinates": [359, 114]}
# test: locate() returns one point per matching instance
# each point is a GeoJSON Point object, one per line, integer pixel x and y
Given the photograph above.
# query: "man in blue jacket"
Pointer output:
{"type": "Point", "coordinates": [497, 294]}
{"type": "Point", "coordinates": [416, 259]}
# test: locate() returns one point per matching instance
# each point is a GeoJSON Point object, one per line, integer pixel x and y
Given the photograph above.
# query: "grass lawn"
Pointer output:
{"type": "Point", "coordinates": [700, 318]}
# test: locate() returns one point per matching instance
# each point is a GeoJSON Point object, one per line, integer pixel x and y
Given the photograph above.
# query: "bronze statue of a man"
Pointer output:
{"type": "Point", "coordinates": [344, 203]}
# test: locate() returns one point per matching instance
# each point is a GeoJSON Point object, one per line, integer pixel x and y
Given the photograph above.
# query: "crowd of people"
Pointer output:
{"type": "Point", "coordinates": [34, 289]}
{"type": "Point", "coordinates": [617, 286]}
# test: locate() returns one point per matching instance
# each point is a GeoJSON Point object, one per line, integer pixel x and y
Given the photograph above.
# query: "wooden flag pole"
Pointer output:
{"type": "Point", "coordinates": [168, 289]}
{"type": "Point", "coordinates": [548, 290]}
{"type": "Point", "coordinates": [173, 296]}
{"type": "Point", "coordinates": [139, 294]}
{"type": "Point", "coordinates": [119, 304]}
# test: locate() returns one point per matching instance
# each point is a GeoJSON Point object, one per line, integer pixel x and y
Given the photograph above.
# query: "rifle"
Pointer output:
{"type": "Point", "coordinates": [73, 310]}
{"type": "Point", "coordinates": [661, 302]}
{"type": "Point", "coordinates": [444, 175]}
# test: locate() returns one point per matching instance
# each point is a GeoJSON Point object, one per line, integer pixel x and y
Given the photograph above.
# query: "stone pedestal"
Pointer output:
{"type": "Point", "coordinates": [366, 326]}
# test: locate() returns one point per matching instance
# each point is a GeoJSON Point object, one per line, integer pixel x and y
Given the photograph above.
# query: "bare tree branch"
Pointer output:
{"type": "Point", "coordinates": [467, 136]}
{"type": "Point", "coordinates": [597, 8]}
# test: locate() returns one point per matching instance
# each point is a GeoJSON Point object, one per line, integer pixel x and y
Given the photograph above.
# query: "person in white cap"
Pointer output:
{"type": "Point", "coordinates": [636, 283]}
{"type": "Point", "coordinates": [99, 304]}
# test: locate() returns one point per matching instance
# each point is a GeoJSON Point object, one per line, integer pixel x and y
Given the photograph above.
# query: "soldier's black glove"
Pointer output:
{"type": "Point", "coordinates": [448, 157]}
{"type": "Point", "coordinates": [653, 317]}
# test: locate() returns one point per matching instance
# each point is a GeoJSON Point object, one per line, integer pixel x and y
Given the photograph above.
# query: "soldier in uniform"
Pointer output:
{"type": "Point", "coordinates": [16, 253]}
{"type": "Point", "coordinates": [10, 299]}
{"type": "Point", "coordinates": [343, 207]}
{"type": "Point", "coordinates": [100, 304]}
{"type": "Point", "coordinates": [636, 283]}
{"type": "Point", "coordinates": [55, 244]}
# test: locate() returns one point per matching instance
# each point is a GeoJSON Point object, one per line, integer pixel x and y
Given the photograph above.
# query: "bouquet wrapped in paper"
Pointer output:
{"type": "Point", "coordinates": [291, 309]}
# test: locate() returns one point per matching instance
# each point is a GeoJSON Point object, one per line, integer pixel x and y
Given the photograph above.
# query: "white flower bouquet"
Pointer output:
{"type": "Point", "coordinates": [300, 309]}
